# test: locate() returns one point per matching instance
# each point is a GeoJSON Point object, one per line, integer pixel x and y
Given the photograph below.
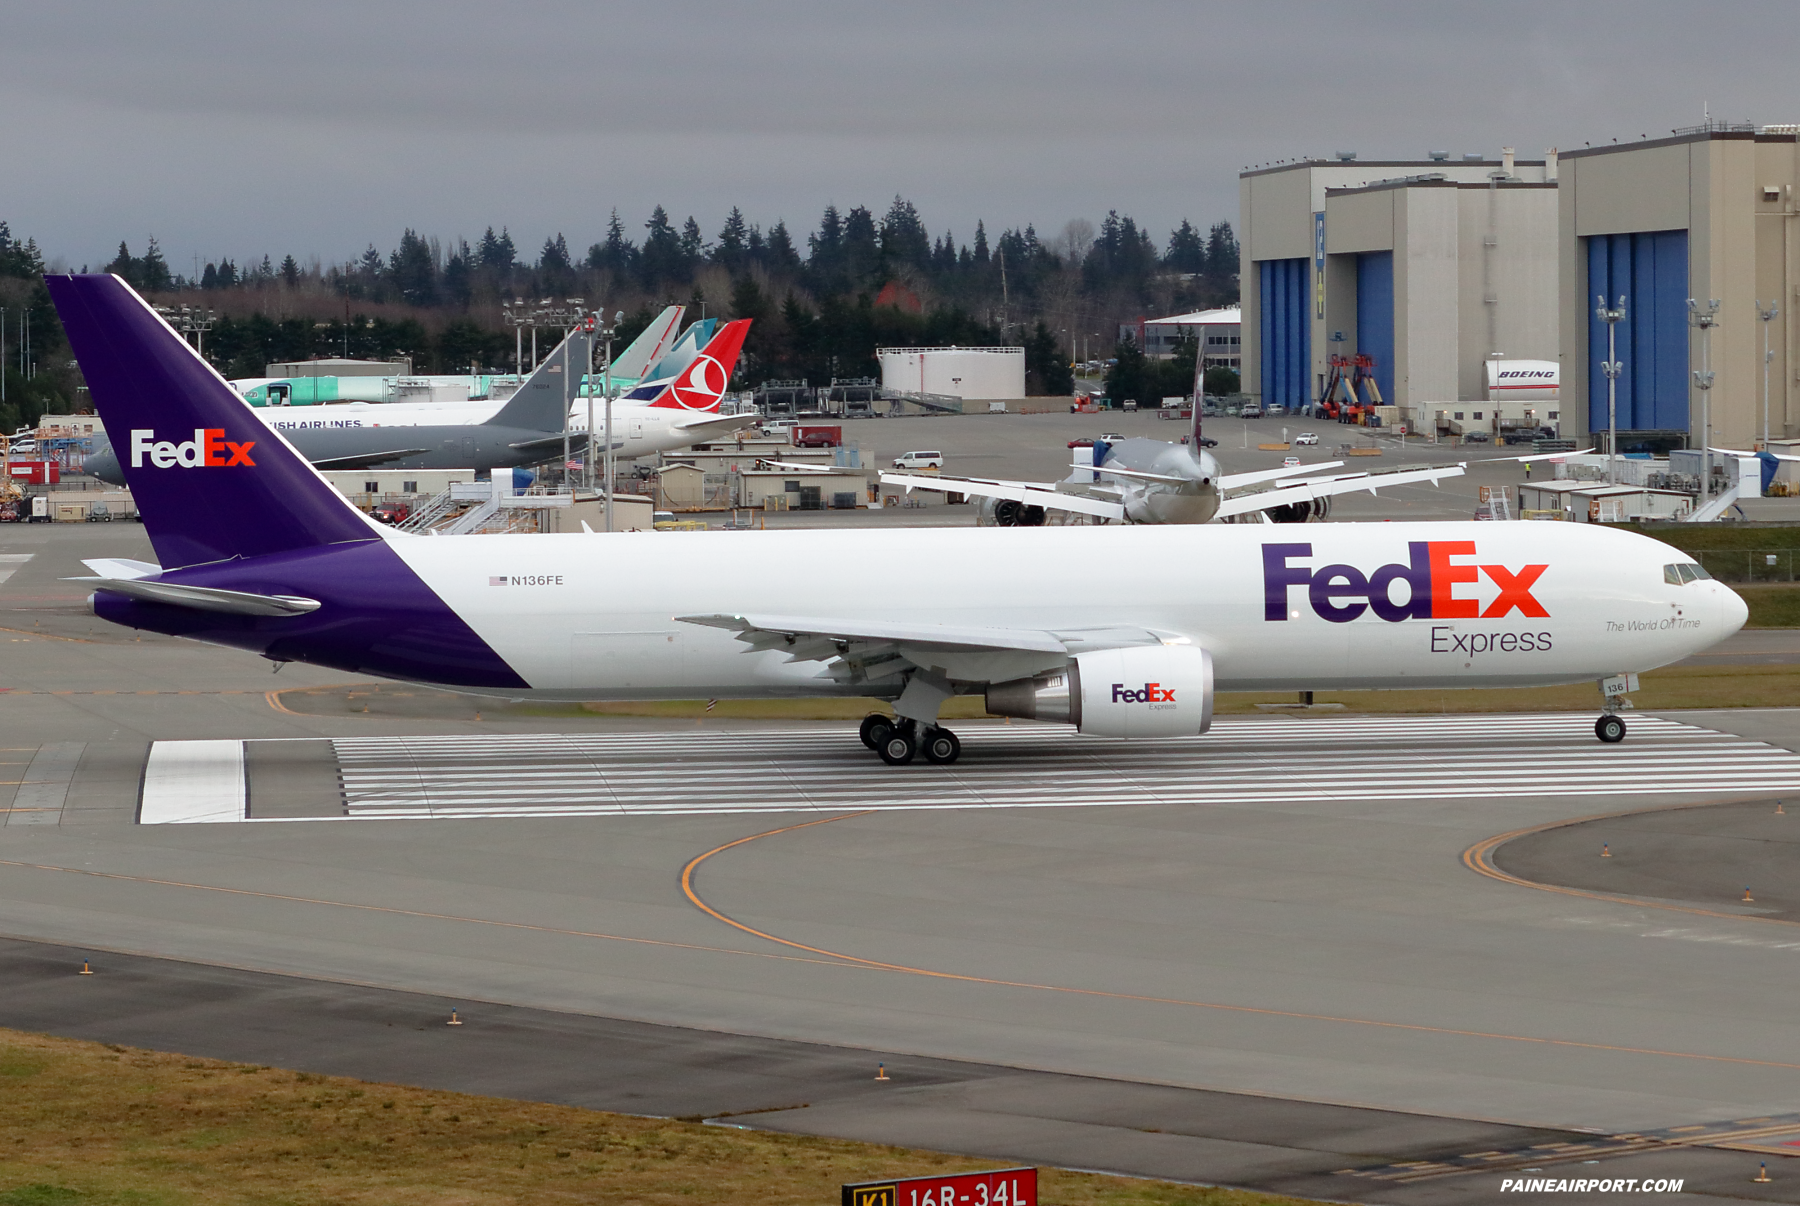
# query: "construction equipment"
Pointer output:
{"type": "Point", "coordinates": [1351, 393]}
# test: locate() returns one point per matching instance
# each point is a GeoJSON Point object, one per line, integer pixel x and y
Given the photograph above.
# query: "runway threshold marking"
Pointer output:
{"type": "Point", "coordinates": [693, 865]}
{"type": "Point", "coordinates": [1479, 858]}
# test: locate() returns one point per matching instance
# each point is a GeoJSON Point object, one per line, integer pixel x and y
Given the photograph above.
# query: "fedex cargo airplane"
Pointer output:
{"type": "Point", "coordinates": [1118, 631]}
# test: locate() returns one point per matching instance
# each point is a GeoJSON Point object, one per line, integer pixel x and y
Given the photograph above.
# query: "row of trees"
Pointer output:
{"type": "Point", "coordinates": [34, 361]}
{"type": "Point", "coordinates": [823, 301]}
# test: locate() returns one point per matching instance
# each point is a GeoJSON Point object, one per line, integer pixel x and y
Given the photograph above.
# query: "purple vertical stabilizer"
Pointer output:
{"type": "Point", "coordinates": [211, 481]}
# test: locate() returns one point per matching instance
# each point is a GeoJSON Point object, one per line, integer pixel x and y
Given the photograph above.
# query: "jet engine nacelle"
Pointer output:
{"type": "Point", "coordinates": [1008, 513]}
{"type": "Point", "coordinates": [1137, 691]}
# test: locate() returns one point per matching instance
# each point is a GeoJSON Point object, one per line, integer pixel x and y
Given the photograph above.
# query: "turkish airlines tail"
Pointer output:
{"type": "Point", "coordinates": [701, 384]}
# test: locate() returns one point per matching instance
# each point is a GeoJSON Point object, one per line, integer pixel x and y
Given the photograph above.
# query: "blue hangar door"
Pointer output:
{"type": "Point", "coordinates": [1650, 271]}
{"type": "Point", "coordinates": [1286, 331]}
{"type": "Point", "coordinates": [1375, 316]}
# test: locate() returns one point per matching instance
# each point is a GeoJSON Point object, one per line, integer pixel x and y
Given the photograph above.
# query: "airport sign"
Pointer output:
{"type": "Point", "coordinates": [1000, 1187]}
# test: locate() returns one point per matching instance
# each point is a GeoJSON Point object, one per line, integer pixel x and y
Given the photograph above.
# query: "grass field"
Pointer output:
{"type": "Point", "coordinates": [83, 1124]}
{"type": "Point", "coordinates": [1701, 537]}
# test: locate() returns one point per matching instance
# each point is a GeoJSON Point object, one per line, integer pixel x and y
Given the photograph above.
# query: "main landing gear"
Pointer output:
{"type": "Point", "coordinates": [1610, 729]}
{"type": "Point", "coordinates": [898, 740]}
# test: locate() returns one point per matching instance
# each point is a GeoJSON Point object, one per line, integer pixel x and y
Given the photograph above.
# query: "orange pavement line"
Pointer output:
{"type": "Point", "coordinates": [687, 887]}
{"type": "Point", "coordinates": [1479, 858]}
{"type": "Point", "coordinates": [48, 636]}
{"type": "Point", "coordinates": [419, 913]}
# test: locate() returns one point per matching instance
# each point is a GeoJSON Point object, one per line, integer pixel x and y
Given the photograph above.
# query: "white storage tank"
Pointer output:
{"type": "Point", "coordinates": [972, 374]}
{"type": "Point", "coordinates": [1523, 380]}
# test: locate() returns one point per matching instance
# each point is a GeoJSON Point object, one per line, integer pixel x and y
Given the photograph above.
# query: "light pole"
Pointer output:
{"type": "Point", "coordinates": [1768, 316]}
{"type": "Point", "coordinates": [1706, 320]}
{"type": "Point", "coordinates": [1612, 368]}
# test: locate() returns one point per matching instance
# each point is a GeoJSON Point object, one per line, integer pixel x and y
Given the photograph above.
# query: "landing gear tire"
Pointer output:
{"type": "Point", "coordinates": [897, 747]}
{"type": "Point", "coordinates": [874, 728]}
{"type": "Point", "coordinates": [941, 747]}
{"type": "Point", "coordinates": [1610, 729]}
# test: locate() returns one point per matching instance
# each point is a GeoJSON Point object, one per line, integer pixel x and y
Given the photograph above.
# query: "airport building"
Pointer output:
{"type": "Point", "coordinates": [1219, 332]}
{"type": "Point", "coordinates": [1423, 270]}
{"type": "Point", "coordinates": [1708, 213]}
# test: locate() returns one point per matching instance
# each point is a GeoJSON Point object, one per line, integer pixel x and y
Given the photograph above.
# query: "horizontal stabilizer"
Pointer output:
{"type": "Point", "coordinates": [122, 567]}
{"type": "Point", "coordinates": [204, 598]}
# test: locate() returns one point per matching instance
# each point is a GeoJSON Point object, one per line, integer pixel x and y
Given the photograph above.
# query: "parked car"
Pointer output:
{"type": "Point", "coordinates": [919, 460]}
{"type": "Point", "coordinates": [1305, 438]}
{"type": "Point", "coordinates": [1475, 437]}
{"type": "Point", "coordinates": [1290, 462]}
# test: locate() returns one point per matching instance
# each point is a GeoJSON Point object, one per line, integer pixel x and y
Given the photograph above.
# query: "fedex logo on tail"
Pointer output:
{"type": "Point", "coordinates": [1434, 573]}
{"type": "Point", "coordinates": [208, 449]}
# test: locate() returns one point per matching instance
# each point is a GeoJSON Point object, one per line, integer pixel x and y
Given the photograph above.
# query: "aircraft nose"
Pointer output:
{"type": "Point", "coordinates": [1733, 611]}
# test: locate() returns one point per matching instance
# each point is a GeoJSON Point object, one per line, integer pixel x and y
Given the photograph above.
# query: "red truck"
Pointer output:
{"type": "Point", "coordinates": [817, 435]}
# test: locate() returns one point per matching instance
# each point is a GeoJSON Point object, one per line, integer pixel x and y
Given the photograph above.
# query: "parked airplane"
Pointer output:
{"type": "Point", "coordinates": [527, 429]}
{"type": "Point", "coordinates": [1121, 633]}
{"type": "Point", "coordinates": [1156, 482]}
{"type": "Point", "coordinates": [628, 368]}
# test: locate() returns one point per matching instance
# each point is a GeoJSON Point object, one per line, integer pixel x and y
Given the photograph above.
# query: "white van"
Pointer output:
{"type": "Point", "coordinates": [919, 460]}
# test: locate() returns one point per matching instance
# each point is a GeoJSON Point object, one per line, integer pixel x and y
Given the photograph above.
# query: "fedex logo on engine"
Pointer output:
{"type": "Point", "coordinates": [1151, 693]}
{"type": "Point", "coordinates": [208, 449]}
{"type": "Point", "coordinates": [1434, 572]}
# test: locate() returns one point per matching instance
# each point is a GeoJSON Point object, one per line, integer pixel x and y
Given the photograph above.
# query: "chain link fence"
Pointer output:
{"type": "Point", "coordinates": [1749, 565]}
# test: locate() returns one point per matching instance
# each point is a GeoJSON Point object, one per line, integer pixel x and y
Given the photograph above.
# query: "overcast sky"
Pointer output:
{"type": "Point", "coordinates": [244, 127]}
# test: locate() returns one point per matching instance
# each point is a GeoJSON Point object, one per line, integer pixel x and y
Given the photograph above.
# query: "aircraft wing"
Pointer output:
{"type": "Point", "coordinates": [1540, 456]}
{"type": "Point", "coordinates": [1735, 452]}
{"type": "Point", "coordinates": [1231, 481]}
{"type": "Point", "coordinates": [367, 460]}
{"type": "Point", "coordinates": [1244, 504]}
{"type": "Point", "coordinates": [805, 468]}
{"type": "Point", "coordinates": [774, 632]}
{"type": "Point", "coordinates": [1031, 495]}
{"type": "Point", "coordinates": [552, 443]}
{"type": "Point", "coordinates": [1139, 474]}
{"type": "Point", "coordinates": [702, 423]}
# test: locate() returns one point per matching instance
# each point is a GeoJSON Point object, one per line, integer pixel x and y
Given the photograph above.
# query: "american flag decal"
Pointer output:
{"type": "Point", "coordinates": [497, 581]}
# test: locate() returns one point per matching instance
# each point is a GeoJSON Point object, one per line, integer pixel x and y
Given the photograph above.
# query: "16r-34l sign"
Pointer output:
{"type": "Point", "coordinates": [1001, 1187]}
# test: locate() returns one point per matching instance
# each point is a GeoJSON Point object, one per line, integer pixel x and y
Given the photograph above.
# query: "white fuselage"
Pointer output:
{"type": "Point", "coordinates": [593, 616]}
{"type": "Point", "coordinates": [638, 430]}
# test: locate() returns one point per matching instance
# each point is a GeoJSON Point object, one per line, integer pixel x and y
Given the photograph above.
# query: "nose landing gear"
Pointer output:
{"type": "Point", "coordinates": [1610, 728]}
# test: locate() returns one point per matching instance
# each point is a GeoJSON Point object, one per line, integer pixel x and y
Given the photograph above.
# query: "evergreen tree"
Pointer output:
{"type": "Point", "coordinates": [617, 255]}
{"type": "Point", "coordinates": [661, 259]}
{"type": "Point", "coordinates": [413, 270]}
{"type": "Point", "coordinates": [862, 249]}
{"type": "Point", "coordinates": [124, 266]}
{"type": "Point", "coordinates": [19, 259]}
{"type": "Point", "coordinates": [981, 247]}
{"type": "Point", "coordinates": [734, 242]}
{"type": "Point", "coordinates": [1047, 370]}
{"type": "Point", "coordinates": [459, 273]}
{"type": "Point", "coordinates": [782, 256]}
{"type": "Point", "coordinates": [826, 262]}
{"type": "Point", "coordinates": [1187, 253]}
{"type": "Point", "coordinates": [904, 241]}
{"type": "Point", "coordinates": [228, 274]}
{"type": "Point", "coordinates": [290, 271]}
{"type": "Point", "coordinates": [693, 244]}
{"type": "Point", "coordinates": [1222, 252]}
{"type": "Point", "coordinates": [210, 278]}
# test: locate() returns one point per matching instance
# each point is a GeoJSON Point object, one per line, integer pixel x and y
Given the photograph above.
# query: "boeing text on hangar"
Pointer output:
{"type": "Point", "coordinates": [1433, 571]}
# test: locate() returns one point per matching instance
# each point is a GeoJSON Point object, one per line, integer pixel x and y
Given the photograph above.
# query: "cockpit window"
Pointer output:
{"type": "Point", "coordinates": [1684, 572]}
